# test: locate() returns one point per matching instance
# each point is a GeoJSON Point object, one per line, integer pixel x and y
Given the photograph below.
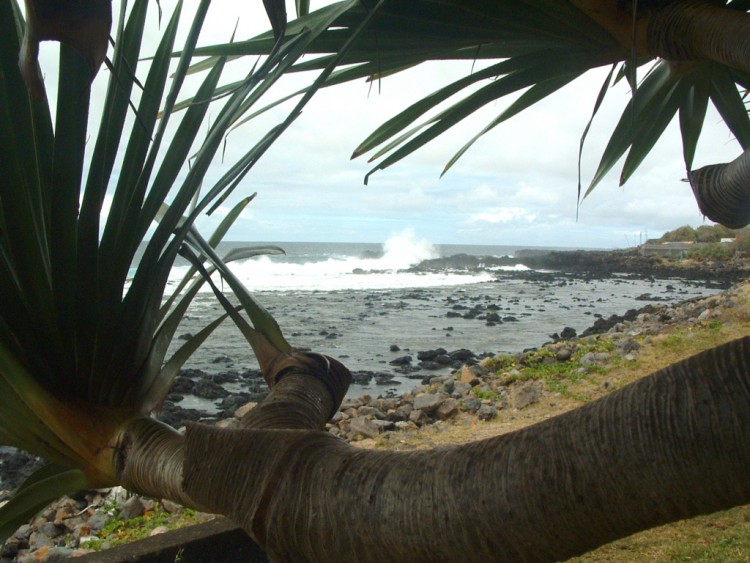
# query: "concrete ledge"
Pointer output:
{"type": "Point", "coordinates": [216, 541]}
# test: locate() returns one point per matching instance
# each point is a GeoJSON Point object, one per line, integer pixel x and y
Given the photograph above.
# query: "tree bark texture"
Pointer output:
{"type": "Point", "coordinates": [723, 191]}
{"type": "Point", "coordinates": [670, 446]}
{"type": "Point", "coordinates": [681, 30]}
{"type": "Point", "coordinates": [700, 30]}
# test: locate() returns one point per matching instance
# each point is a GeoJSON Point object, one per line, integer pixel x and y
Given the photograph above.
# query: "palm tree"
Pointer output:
{"type": "Point", "coordinates": [668, 447]}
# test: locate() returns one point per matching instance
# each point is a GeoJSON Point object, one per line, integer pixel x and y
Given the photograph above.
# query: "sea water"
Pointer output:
{"type": "Point", "coordinates": [361, 304]}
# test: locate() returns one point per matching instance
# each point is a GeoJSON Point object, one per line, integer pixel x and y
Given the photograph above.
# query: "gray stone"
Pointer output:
{"type": "Point", "coordinates": [364, 426]}
{"type": "Point", "coordinates": [418, 417]}
{"type": "Point", "coordinates": [170, 506]}
{"type": "Point", "coordinates": [449, 386]}
{"type": "Point", "coordinates": [448, 409]}
{"type": "Point", "coordinates": [51, 530]}
{"type": "Point", "coordinates": [588, 359]}
{"type": "Point", "coordinates": [401, 361]}
{"type": "Point", "coordinates": [38, 539]}
{"type": "Point", "coordinates": [132, 508]}
{"type": "Point", "coordinates": [429, 401]}
{"type": "Point", "coordinates": [525, 393]}
{"type": "Point", "coordinates": [9, 549]}
{"type": "Point", "coordinates": [400, 414]}
{"type": "Point", "coordinates": [563, 355]}
{"type": "Point", "coordinates": [23, 532]}
{"type": "Point", "coordinates": [350, 404]}
{"type": "Point", "coordinates": [384, 425]}
{"type": "Point", "coordinates": [486, 412]}
{"type": "Point", "coordinates": [568, 333]}
{"type": "Point", "coordinates": [371, 411]}
{"type": "Point", "coordinates": [388, 404]}
{"type": "Point", "coordinates": [472, 404]}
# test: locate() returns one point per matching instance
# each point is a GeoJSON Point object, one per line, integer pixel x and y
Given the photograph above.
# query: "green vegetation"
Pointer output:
{"type": "Point", "coordinates": [711, 252]}
{"type": "Point", "coordinates": [119, 531]}
{"type": "Point", "coordinates": [543, 365]}
{"type": "Point", "coordinates": [704, 233]}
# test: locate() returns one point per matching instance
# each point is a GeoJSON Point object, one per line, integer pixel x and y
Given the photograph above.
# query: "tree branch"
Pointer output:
{"type": "Point", "coordinates": [670, 446]}
{"type": "Point", "coordinates": [723, 191]}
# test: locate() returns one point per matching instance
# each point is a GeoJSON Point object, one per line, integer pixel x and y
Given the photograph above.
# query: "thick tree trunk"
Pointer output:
{"type": "Point", "coordinates": [723, 191]}
{"type": "Point", "coordinates": [670, 446]}
{"type": "Point", "coordinates": [700, 30]}
{"type": "Point", "coordinates": [680, 30]}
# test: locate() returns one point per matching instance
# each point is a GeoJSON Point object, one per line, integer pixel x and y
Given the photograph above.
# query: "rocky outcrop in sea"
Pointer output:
{"type": "Point", "coordinates": [593, 264]}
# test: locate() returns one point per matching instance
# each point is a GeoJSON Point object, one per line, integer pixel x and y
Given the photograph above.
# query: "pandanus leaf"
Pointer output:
{"type": "Point", "coordinates": [82, 25]}
{"type": "Point", "coordinates": [45, 485]}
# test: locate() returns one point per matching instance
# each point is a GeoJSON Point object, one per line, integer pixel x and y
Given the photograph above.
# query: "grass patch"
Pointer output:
{"type": "Point", "coordinates": [120, 531]}
{"type": "Point", "coordinates": [723, 536]}
{"type": "Point", "coordinates": [559, 376]}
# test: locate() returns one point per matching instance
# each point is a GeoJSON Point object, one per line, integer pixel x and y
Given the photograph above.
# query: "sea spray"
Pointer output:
{"type": "Point", "coordinates": [353, 270]}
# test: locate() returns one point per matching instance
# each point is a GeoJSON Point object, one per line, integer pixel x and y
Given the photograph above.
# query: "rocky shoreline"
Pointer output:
{"type": "Point", "coordinates": [478, 387]}
{"type": "Point", "coordinates": [598, 264]}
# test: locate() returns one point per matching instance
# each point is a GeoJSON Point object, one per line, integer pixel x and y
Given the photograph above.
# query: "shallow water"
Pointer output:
{"type": "Point", "coordinates": [359, 326]}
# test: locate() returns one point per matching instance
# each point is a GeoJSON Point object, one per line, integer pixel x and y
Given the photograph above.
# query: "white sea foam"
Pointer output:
{"type": "Point", "coordinates": [386, 271]}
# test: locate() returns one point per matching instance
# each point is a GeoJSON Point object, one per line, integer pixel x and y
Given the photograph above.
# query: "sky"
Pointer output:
{"type": "Point", "coordinates": [516, 186]}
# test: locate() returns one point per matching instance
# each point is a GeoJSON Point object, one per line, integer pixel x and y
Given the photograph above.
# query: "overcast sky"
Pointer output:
{"type": "Point", "coordinates": [516, 186]}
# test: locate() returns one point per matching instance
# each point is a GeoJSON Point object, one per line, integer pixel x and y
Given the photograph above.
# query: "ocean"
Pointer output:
{"type": "Point", "coordinates": [367, 305]}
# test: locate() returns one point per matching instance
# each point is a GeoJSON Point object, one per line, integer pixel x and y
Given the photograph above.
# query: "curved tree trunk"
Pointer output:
{"type": "Point", "coordinates": [670, 446]}
{"type": "Point", "coordinates": [723, 191]}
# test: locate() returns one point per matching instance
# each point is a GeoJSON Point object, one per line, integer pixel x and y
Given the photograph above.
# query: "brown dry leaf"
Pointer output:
{"type": "Point", "coordinates": [82, 24]}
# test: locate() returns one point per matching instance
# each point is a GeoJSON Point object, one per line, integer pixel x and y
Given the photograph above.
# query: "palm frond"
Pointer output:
{"type": "Point", "coordinates": [45, 485]}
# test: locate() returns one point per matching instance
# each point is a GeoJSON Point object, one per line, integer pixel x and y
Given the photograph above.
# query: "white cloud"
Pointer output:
{"type": "Point", "coordinates": [503, 215]}
{"type": "Point", "coordinates": [517, 183]}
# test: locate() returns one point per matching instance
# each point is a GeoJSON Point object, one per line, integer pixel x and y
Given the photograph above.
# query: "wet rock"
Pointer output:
{"type": "Point", "coordinates": [568, 333]}
{"type": "Point", "coordinates": [231, 403]}
{"type": "Point", "coordinates": [462, 355]}
{"type": "Point", "coordinates": [386, 379]}
{"type": "Point", "coordinates": [362, 377]}
{"type": "Point", "coordinates": [401, 361]}
{"type": "Point", "coordinates": [209, 389]}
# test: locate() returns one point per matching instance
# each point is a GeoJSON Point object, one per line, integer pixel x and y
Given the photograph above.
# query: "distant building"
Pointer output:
{"type": "Point", "coordinates": [675, 250]}
{"type": "Point", "coordinates": [667, 249]}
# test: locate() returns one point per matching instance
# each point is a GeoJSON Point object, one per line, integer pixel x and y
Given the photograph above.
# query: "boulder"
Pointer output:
{"type": "Point", "coordinates": [525, 393]}
{"type": "Point", "coordinates": [429, 402]}
{"type": "Point", "coordinates": [448, 409]}
{"type": "Point", "coordinates": [364, 426]}
{"type": "Point", "coordinates": [486, 412]}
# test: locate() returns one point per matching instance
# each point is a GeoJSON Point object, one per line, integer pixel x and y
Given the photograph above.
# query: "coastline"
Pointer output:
{"type": "Point", "coordinates": [478, 400]}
